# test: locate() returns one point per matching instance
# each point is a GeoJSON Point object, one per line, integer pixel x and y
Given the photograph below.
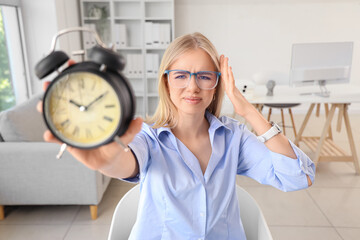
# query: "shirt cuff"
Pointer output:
{"type": "Point", "coordinates": [299, 166]}
{"type": "Point", "coordinates": [135, 179]}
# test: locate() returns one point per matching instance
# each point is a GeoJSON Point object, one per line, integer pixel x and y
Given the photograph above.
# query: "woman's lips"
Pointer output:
{"type": "Point", "coordinates": [192, 100]}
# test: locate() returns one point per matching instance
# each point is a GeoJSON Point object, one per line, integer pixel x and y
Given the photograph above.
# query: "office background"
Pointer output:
{"type": "Point", "coordinates": [257, 35]}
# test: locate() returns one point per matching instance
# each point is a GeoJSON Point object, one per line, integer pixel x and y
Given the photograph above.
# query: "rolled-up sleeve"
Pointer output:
{"type": "Point", "coordinates": [140, 148]}
{"type": "Point", "coordinates": [267, 167]}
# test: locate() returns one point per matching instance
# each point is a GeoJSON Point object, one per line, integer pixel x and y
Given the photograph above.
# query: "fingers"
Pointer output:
{"type": "Point", "coordinates": [45, 85]}
{"type": "Point", "coordinates": [224, 64]}
{"type": "Point", "coordinates": [231, 74]}
{"type": "Point", "coordinates": [39, 106]}
{"type": "Point", "coordinates": [71, 62]}
{"type": "Point", "coordinates": [48, 137]}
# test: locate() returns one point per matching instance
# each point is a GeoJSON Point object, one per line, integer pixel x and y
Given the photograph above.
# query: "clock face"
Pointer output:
{"type": "Point", "coordinates": [82, 109]}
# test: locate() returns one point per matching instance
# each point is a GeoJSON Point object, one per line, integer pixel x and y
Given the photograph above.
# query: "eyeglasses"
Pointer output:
{"type": "Point", "coordinates": [205, 80]}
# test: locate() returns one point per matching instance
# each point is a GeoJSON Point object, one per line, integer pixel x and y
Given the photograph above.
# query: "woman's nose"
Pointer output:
{"type": "Point", "coordinates": [193, 84]}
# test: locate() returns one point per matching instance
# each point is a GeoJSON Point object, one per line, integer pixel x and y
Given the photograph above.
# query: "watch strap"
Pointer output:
{"type": "Point", "coordinates": [273, 131]}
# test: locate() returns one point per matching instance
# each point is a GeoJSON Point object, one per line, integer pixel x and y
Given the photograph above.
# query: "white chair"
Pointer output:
{"type": "Point", "coordinates": [253, 220]}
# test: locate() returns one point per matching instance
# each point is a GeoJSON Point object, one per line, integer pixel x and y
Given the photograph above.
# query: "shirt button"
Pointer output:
{"type": "Point", "coordinates": [201, 215]}
{"type": "Point", "coordinates": [200, 239]}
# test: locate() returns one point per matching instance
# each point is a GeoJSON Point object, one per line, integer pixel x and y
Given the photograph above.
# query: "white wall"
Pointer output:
{"type": "Point", "coordinates": [40, 24]}
{"type": "Point", "coordinates": [257, 35]}
{"type": "Point", "coordinates": [42, 20]}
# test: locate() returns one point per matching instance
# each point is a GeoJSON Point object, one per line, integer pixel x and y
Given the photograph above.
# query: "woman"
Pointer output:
{"type": "Point", "coordinates": [187, 158]}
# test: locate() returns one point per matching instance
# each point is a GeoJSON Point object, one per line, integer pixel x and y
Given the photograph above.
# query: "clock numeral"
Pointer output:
{"type": "Point", "coordinates": [108, 118]}
{"type": "Point", "coordinates": [61, 111]}
{"type": "Point", "coordinates": [101, 128]}
{"type": "Point", "coordinates": [76, 131]}
{"type": "Point", "coordinates": [59, 97]}
{"type": "Point", "coordinates": [88, 133]}
{"type": "Point", "coordinates": [110, 106]}
{"type": "Point", "coordinates": [68, 85]}
{"type": "Point", "coordinates": [82, 83]}
{"type": "Point", "coordinates": [65, 123]}
{"type": "Point", "coordinates": [93, 86]}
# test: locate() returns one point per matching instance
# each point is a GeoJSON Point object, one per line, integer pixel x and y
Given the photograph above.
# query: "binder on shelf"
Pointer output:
{"type": "Point", "coordinates": [155, 64]}
{"type": "Point", "coordinates": [167, 36]}
{"type": "Point", "coordinates": [140, 64]}
{"type": "Point", "coordinates": [86, 37]}
{"type": "Point", "coordinates": [148, 34]}
{"type": "Point", "coordinates": [130, 70]}
{"type": "Point", "coordinates": [162, 35]}
{"type": "Point", "coordinates": [134, 65]}
{"type": "Point", "coordinates": [156, 34]}
{"type": "Point", "coordinates": [149, 66]}
{"type": "Point", "coordinates": [120, 35]}
{"type": "Point", "coordinates": [89, 40]}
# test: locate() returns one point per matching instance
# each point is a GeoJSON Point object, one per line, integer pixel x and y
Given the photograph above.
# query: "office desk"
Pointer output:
{"type": "Point", "coordinates": [324, 147]}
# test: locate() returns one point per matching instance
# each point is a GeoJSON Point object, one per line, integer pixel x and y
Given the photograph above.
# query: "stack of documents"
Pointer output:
{"type": "Point", "coordinates": [157, 35]}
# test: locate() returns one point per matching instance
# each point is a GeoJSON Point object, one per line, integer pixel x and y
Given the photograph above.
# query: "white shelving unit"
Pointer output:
{"type": "Point", "coordinates": [141, 30]}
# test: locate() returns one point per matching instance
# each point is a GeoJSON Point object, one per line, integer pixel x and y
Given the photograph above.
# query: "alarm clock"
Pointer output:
{"type": "Point", "coordinates": [90, 103]}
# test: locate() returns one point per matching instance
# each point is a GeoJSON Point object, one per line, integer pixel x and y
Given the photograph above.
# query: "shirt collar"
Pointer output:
{"type": "Point", "coordinates": [214, 122]}
{"type": "Point", "coordinates": [162, 129]}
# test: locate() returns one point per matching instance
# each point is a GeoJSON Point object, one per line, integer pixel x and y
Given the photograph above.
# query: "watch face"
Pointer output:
{"type": "Point", "coordinates": [82, 109]}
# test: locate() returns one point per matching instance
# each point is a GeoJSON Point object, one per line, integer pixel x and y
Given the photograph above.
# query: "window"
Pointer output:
{"type": "Point", "coordinates": [7, 96]}
{"type": "Point", "coordinates": [13, 74]}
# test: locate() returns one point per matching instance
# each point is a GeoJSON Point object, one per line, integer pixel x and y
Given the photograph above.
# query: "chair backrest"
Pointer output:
{"type": "Point", "coordinates": [125, 215]}
{"type": "Point", "coordinates": [253, 220]}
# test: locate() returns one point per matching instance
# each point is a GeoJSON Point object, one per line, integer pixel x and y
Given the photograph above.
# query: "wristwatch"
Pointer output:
{"type": "Point", "coordinates": [273, 131]}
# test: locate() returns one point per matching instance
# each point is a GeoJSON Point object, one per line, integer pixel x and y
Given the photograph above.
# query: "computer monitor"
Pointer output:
{"type": "Point", "coordinates": [321, 64]}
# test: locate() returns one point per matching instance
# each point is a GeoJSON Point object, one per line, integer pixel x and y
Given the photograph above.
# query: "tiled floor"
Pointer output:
{"type": "Point", "coordinates": [328, 210]}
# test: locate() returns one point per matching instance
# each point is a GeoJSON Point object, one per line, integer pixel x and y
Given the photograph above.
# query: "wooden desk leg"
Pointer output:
{"type": "Point", "coordinates": [269, 114]}
{"type": "Point", "coordinates": [340, 116]}
{"type": "Point", "coordinates": [292, 121]}
{"type": "Point", "coordinates": [351, 139]}
{"type": "Point", "coordinates": [283, 121]}
{"type": "Point", "coordinates": [326, 114]}
{"type": "Point", "coordinates": [317, 110]}
{"type": "Point", "coordinates": [303, 125]}
{"type": "Point", "coordinates": [324, 133]}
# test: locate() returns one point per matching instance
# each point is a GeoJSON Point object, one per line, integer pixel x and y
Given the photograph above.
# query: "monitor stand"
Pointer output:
{"type": "Point", "coordinates": [324, 92]}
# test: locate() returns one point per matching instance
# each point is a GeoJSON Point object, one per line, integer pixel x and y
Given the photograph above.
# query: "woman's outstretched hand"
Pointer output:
{"type": "Point", "coordinates": [241, 105]}
{"type": "Point", "coordinates": [106, 158]}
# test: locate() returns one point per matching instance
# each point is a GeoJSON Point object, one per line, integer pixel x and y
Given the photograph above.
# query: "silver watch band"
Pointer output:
{"type": "Point", "coordinates": [273, 131]}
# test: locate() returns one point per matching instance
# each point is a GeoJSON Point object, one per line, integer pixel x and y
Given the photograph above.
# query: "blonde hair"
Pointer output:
{"type": "Point", "coordinates": [166, 112]}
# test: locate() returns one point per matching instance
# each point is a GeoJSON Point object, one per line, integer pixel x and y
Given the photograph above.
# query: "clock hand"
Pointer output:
{"type": "Point", "coordinates": [97, 99]}
{"type": "Point", "coordinates": [81, 107]}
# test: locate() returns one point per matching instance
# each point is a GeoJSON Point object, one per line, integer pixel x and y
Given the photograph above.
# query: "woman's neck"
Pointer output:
{"type": "Point", "coordinates": [191, 125]}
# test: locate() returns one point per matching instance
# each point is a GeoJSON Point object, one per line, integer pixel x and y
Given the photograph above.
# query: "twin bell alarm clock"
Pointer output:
{"type": "Point", "coordinates": [89, 103]}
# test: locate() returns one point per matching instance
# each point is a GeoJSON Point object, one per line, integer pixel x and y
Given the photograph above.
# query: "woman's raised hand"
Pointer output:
{"type": "Point", "coordinates": [241, 105]}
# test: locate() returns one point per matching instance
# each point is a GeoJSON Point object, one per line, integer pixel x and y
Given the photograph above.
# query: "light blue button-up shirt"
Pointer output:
{"type": "Point", "coordinates": [179, 202]}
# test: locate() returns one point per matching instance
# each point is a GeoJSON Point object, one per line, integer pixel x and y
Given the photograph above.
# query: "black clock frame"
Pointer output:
{"type": "Point", "coordinates": [105, 63]}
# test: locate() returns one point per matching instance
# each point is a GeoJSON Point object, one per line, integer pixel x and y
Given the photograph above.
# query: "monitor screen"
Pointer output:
{"type": "Point", "coordinates": [312, 63]}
